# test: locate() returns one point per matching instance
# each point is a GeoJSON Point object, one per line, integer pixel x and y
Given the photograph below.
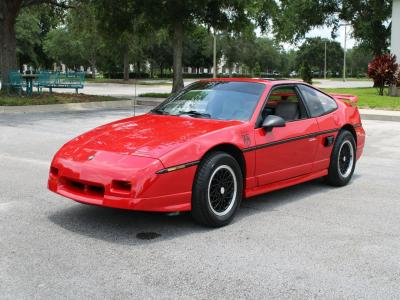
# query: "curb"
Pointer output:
{"type": "Point", "coordinates": [380, 116]}
{"type": "Point", "coordinates": [118, 104]}
{"type": "Point", "coordinates": [149, 101]}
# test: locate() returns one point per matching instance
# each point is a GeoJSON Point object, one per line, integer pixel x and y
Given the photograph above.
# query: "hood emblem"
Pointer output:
{"type": "Point", "coordinates": [91, 157]}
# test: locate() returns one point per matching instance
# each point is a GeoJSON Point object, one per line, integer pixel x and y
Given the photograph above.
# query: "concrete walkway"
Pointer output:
{"type": "Point", "coordinates": [331, 84]}
{"type": "Point", "coordinates": [128, 90]}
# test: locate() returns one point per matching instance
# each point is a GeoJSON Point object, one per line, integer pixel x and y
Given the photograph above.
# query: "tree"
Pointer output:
{"type": "Point", "coordinates": [312, 52]}
{"type": "Point", "coordinates": [268, 55]}
{"type": "Point", "coordinates": [180, 14]}
{"type": "Point", "coordinates": [158, 51]}
{"type": "Point", "coordinates": [198, 47]}
{"type": "Point", "coordinates": [288, 62]}
{"type": "Point", "coordinates": [383, 70]}
{"type": "Point", "coordinates": [230, 45]}
{"type": "Point", "coordinates": [28, 37]}
{"type": "Point", "coordinates": [369, 19]}
{"type": "Point", "coordinates": [32, 26]}
{"type": "Point", "coordinates": [306, 73]}
{"type": "Point", "coordinates": [257, 54]}
{"type": "Point", "coordinates": [9, 11]}
{"type": "Point", "coordinates": [62, 46]}
{"type": "Point", "coordinates": [240, 48]}
{"type": "Point", "coordinates": [84, 27]}
{"type": "Point", "coordinates": [123, 25]}
{"type": "Point", "coordinates": [357, 60]}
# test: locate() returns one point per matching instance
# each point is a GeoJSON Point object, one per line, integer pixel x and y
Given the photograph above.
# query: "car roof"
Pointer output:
{"type": "Point", "coordinates": [256, 80]}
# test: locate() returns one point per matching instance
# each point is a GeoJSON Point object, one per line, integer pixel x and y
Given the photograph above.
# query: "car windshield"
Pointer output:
{"type": "Point", "coordinates": [221, 100]}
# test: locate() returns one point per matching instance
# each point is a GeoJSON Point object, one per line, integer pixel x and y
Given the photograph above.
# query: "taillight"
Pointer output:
{"type": "Point", "coordinates": [54, 171]}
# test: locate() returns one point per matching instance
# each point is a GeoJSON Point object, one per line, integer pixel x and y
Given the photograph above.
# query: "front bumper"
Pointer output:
{"type": "Point", "coordinates": [122, 181]}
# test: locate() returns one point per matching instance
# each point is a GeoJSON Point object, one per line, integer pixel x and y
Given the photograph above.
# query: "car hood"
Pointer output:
{"type": "Point", "coordinates": [147, 135]}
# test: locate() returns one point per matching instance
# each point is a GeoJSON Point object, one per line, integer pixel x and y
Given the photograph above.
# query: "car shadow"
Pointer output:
{"type": "Point", "coordinates": [135, 228]}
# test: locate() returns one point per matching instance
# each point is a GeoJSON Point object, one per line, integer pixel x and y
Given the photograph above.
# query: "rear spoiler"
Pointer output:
{"type": "Point", "coordinates": [351, 99]}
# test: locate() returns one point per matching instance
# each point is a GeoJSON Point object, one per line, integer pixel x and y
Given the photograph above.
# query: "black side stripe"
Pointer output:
{"type": "Point", "coordinates": [315, 134]}
{"type": "Point", "coordinates": [194, 163]}
{"type": "Point", "coordinates": [178, 167]}
{"type": "Point", "coordinates": [357, 125]}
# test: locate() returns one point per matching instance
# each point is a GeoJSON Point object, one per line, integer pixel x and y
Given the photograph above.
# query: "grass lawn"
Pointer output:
{"type": "Point", "coordinates": [54, 98]}
{"type": "Point", "coordinates": [369, 98]}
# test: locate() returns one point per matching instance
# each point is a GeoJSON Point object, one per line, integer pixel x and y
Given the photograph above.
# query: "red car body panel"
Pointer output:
{"type": "Point", "coordinates": [149, 162]}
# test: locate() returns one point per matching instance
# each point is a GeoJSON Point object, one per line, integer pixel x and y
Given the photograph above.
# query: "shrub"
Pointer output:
{"type": "Point", "coordinates": [306, 73]}
{"type": "Point", "coordinates": [382, 70]}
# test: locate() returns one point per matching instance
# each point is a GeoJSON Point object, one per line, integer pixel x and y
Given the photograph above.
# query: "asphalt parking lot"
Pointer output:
{"type": "Point", "coordinates": [307, 241]}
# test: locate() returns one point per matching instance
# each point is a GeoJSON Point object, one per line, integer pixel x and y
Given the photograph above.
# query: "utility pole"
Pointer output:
{"type": "Point", "coordinates": [215, 56]}
{"type": "Point", "coordinates": [325, 63]}
{"type": "Point", "coordinates": [344, 55]}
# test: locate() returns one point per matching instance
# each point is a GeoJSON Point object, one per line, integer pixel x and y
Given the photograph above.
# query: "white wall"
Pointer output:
{"type": "Point", "coordinates": [395, 43]}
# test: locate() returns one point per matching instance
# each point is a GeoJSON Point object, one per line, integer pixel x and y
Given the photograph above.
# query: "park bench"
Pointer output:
{"type": "Point", "coordinates": [15, 82]}
{"type": "Point", "coordinates": [70, 80]}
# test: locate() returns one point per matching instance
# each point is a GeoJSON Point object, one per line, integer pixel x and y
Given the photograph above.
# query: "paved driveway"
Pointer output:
{"type": "Point", "coordinates": [128, 90]}
{"type": "Point", "coordinates": [328, 84]}
{"type": "Point", "coordinates": [307, 241]}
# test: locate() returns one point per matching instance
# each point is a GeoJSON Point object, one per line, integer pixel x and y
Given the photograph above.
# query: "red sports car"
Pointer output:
{"type": "Point", "coordinates": [212, 144]}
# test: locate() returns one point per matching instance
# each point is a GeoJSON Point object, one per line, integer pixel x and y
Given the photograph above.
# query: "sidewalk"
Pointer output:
{"type": "Point", "coordinates": [380, 115]}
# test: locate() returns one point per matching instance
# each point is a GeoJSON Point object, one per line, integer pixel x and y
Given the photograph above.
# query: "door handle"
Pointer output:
{"type": "Point", "coordinates": [328, 141]}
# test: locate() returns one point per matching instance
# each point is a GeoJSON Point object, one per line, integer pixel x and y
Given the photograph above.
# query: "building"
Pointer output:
{"type": "Point", "coordinates": [395, 41]}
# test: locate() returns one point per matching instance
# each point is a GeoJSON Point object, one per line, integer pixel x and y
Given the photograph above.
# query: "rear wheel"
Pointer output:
{"type": "Point", "coordinates": [343, 160]}
{"type": "Point", "coordinates": [217, 190]}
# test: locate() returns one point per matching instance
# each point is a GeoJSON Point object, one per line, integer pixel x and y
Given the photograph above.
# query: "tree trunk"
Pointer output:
{"type": "Point", "coordinates": [93, 67]}
{"type": "Point", "coordinates": [126, 66]}
{"type": "Point", "coordinates": [177, 59]}
{"type": "Point", "coordinates": [94, 70]}
{"type": "Point", "coordinates": [230, 66]}
{"type": "Point", "coordinates": [8, 54]}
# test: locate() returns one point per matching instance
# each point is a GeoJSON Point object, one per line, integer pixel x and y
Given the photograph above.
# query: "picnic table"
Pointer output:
{"type": "Point", "coordinates": [46, 79]}
{"type": "Point", "coordinates": [29, 82]}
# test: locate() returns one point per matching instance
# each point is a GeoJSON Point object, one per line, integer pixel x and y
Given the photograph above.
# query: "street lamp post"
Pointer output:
{"type": "Point", "coordinates": [215, 55]}
{"type": "Point", "coordinates": [344, 54]}
{"type": "Point", "coordinates": [325, 63]}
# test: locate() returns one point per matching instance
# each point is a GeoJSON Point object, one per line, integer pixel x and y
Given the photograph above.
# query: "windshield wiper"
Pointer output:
{"type": "Point", "coordinates": [194, 113]}
{"type": "Point", "coordinates": [159, 112]}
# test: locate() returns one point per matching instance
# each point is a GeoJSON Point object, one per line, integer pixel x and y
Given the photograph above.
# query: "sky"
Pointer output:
{"type": "Point", "coordinates": [325, 32]}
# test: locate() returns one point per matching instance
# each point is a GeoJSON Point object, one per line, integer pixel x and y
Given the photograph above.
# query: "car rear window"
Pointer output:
{"type": "Point", "coordinates": [318, 103]}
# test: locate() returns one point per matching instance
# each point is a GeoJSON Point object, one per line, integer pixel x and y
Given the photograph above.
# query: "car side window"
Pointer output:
{"type": "Point", "coordinates": [318, 103]}
{"type": "Point", "coordinates": [285, 103]}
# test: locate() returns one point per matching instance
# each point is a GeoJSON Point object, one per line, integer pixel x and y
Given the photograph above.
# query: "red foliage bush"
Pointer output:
{"type": "Point", "coordinates": [382, 70]}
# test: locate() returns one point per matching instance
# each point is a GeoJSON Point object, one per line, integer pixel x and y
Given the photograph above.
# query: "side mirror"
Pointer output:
{"type": "Point", "coordinates": [272, 121]}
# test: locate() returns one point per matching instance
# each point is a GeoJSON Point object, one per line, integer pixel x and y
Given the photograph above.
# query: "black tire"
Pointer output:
{"type": "Point", "coordinates": [343, 160]}
{"type": "Point", "coordinates": [217, 190]}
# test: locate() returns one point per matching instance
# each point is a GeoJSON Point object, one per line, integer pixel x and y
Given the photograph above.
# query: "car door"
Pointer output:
{"type": "Point", "coordinates": [285, 152]}
{"type": "Point", "coordinates": [322, 107]}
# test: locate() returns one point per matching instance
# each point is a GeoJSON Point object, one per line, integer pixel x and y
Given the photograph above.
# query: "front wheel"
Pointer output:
{"type": "Point", "coordinates": [343, 160]}
{"type": "Point", "coordinates": [217, 190]}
